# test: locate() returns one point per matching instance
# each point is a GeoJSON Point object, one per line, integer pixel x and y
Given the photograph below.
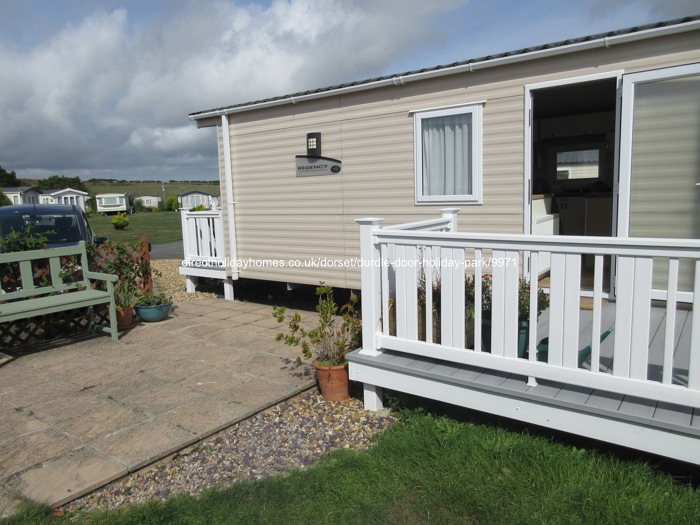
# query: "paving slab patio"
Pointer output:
{"type": "Point", "coordinates": [78, 413]}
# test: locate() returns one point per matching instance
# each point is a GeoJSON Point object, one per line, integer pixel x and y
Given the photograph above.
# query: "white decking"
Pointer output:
{"type": "Point", "coordinates": [639, 388]}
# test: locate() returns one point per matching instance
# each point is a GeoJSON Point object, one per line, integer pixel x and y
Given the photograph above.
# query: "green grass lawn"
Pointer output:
{"type": "Point", "coordinates": [433, 470]}
{"type": "Point", "coordinates": [160, 227]}
{"type": "Point", "coordinates": [151, 187]}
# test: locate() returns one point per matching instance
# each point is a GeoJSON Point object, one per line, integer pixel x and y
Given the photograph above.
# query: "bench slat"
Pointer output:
{"type": "Point", "coordinates": [35, 301]}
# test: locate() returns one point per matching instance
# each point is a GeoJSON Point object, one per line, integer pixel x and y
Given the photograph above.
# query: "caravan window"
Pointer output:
{"type": "Point", "coordinates": [448, 155]}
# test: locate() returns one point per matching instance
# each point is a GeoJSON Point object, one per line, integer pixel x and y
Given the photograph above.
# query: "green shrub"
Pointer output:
{"type": "Point", "coordinates": [120, 221]}
{"type": "Point", "coordinates": [200, 207]}
{"type": "Point", "coordinates": [171, 203]}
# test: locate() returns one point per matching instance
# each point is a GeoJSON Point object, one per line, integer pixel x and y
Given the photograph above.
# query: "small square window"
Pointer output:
{"type": "Point", "coordinates": [448, 155]}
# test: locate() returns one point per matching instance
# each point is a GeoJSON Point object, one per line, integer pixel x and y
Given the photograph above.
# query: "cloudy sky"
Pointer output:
{"type": "Point", "coordinates": [103, 88]}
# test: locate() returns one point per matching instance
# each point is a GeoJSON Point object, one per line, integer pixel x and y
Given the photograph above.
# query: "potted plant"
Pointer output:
{"type": "Point", "coordinates": [327, 343]}
{"type": "Point", "coordinates": [486, 309]}
{"type": "Point", "coordinates": [153, 307]}
{"type": "Point", "coordinates": [125, 295]}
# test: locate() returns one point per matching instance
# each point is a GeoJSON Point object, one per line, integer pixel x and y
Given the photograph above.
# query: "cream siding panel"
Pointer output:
{"type": "Point", "coordinates": [281, 216]}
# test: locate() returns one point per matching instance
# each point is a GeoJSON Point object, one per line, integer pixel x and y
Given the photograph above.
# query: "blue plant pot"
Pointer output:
{"type": "Point", "coordinates": [152, 314]}
{"type": "Point", "coordinates": [523, 336]}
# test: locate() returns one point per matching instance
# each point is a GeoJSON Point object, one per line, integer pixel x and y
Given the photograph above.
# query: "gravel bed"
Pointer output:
{"type": "Point", "coordinates": [172, 283]}
{"type": "Point", "coordinates": [292, 434]}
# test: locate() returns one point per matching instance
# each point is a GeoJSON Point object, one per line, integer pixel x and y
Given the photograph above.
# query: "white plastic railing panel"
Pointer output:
{"type": "Point", "coordinates": [401, 256]}
{"type": "Point", "coordinates": [202, 235]}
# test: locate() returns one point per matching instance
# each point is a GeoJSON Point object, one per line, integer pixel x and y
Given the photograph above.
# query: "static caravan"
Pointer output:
{"type": "Point", "coordinates": [149, 201]}
{"type": "Point", "coordinates": [22, 195]}
{"type": "Point", "coordinates": [111, 203]}
{"type": "Point", "coordinates": [65, 196]}
{"type": "Point", "coordinates": [589, 136]}
{"type": "Point", "coordinates": [192, 199]}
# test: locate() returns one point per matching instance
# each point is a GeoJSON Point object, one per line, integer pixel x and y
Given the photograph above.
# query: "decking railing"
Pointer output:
{"type": "Point", "coordinates": [397, 260]}
{"type": "Point", "coordinates": [203, 236]}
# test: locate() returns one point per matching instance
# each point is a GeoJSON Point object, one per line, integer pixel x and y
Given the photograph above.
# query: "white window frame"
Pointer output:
{"type": "Point", "coordinates": [476, 111]}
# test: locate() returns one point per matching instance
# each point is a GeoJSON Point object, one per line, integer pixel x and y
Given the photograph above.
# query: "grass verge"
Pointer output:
{"type": "Point", "coordinates": [432, 470]}
{"type": "Point", "coordinates": [160, 227]}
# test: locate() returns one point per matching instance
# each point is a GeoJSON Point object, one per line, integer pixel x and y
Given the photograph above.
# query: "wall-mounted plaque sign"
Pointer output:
{"type": "Point", "coordinates": [308, 166]}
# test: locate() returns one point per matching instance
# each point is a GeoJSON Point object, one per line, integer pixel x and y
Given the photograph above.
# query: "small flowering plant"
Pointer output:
{"type": "Point", "coordinates": [332, 338]}
{"type": "Point", "coordinates": [486, 297]}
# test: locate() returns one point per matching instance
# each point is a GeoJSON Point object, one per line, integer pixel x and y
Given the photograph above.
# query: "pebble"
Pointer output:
{"type": "Point", "coordinates": [292, 434]}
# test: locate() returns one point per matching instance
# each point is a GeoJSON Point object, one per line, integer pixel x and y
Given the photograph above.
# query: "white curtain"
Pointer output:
{"type": "Point", "coordinates": [447, 155]}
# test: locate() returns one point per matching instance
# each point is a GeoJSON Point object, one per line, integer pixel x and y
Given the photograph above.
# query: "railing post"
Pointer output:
{"type": "Point", "coordinates": [185, 236]}
{"type": "Point", "coordinates": [450, 213]}
{"type": "Point", "coordinates": [370, 273]}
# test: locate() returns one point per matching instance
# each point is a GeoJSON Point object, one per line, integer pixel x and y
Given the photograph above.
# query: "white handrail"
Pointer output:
{"type": "Point", "coordinates": [396, 258]}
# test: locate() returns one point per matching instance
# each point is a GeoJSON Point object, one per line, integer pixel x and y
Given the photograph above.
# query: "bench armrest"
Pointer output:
{"type": "Point", "coordinates": [101, 276]}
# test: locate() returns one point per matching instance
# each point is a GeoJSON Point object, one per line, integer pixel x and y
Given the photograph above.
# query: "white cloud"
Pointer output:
{"type": "Point", "coordinates": [108, 92]}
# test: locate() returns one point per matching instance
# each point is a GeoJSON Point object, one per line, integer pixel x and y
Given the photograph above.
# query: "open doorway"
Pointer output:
{"type": "Point", "coordinates": [573, 164]}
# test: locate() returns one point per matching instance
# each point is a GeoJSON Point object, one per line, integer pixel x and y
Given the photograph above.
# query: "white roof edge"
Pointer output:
{"type": "Point", "coordinates": [399, 80]}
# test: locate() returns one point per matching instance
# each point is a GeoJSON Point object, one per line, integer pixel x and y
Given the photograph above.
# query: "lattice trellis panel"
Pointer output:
{"type": "Point", "coordinates": [21, 333]}
{"type": "Point", "coordinates": [41, 328]}
{"type": "Point", "coordinates": [105, 253]}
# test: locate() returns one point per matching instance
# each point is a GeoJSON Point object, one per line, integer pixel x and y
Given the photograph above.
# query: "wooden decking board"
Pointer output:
{"type": "Point", "coordinates": [695, 421]}
{"type": "Point", "coordinates": [545, 389]}
{"type": "Point", "coordinates": [574, 394]}
{"type": "Point", "coordinates": [491, 377]}
{"type": "Point", "coordinates": [466, 373]}
{"type": "Point", "coordinates": [515, 383]}
{"type": "Point", "coordinates": [637, 406]}
{"type": "Point", "coordinates": [606, 400]}
{"type": "Point", "coordinates": [656, 346]}
{"type": "Point", "coordinates": [678, 415]}
{"type": "Point", "coordinates": [604, 404]}
{"type": "Point", "coordinates": [681, 358]}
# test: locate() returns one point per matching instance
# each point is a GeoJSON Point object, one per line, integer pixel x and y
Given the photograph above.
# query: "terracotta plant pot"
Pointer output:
{"type": "Point", "coordinates": [333, 381]}
{"type": "Point", "coordinates": [125, 318]}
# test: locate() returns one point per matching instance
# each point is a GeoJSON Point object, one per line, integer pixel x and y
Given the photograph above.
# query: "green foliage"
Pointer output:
{"type": "Point", "coordinates": [90, 204]}
{"type": "Point", "coordinates": [59, 182]}
{"type": "Point", "coordinates": [8, 179]}
{"type": "Point", "coordinates": [120, 221]}
{"type": "Point", "coordinates": [130, 269]}
{"type": "Point", "coordinates": [160, 227]}
{"type": "Point", "coordinates": [125, 294]}
{"type": "Point", "coordinates": [171, 203]}
{"type": "Point", "coordinates": [199, 207]}
{"type": "Point", "coordinates": [486, 297]}
{"type": "Point", "coordinates": [153, 299]}
{"type": "Point", "coordinates": [430, 469]}
{"type": "Point", "coordinates": [24, 241]}
{"type": "Point", "coordinates": [332, 338]}
{"type": "Point", "coordinates": [4, 199]}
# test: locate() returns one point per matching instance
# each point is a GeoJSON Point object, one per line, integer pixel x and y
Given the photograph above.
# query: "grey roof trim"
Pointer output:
{"type": "Point", "coordinates": [690, 23]}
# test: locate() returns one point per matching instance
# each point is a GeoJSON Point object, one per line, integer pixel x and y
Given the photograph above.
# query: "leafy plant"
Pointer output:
{"type": "Point", "coordinates": [153, 299]}
{"type": "Point", "coordinates": [120, 221]}
{"type": "Point", "coordinates": [125, 295]}
{"type": "Point", "coordinates": [486, 297]}
{"type": "Point", "coordinates": [23, 241]}
{"type": "Point", "coordinates": [200, 207]}
{"type": "Point", "coordinates": [334, 336]}
{"type": "Point", "coordinates": [130, 269]}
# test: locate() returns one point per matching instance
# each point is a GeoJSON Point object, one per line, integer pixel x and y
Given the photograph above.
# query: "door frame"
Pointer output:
{"type": "Point", "coordinates": [629, 83]}
{"type": "Point", "coordinates": [528, 143]}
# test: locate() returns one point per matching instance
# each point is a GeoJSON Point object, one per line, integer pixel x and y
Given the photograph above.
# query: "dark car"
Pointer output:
{"type": "Point", "coordinates": [62, 225]}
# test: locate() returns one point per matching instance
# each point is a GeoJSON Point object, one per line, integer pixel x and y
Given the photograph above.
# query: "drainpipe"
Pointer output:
{"type": "Point", "coordinates": [232, 268]}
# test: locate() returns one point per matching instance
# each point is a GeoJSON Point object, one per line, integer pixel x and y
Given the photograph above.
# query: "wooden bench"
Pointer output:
{"type": "Point", "coordinates": [32, 299]}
